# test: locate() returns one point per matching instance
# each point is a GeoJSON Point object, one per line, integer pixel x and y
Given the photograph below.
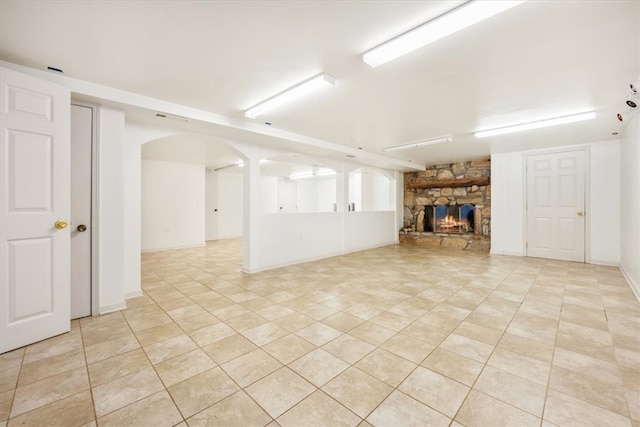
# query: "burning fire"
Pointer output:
{"type": "Point", "coordinates": [449, 224]}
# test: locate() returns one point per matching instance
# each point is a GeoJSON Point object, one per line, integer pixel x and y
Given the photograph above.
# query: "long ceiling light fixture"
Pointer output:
{"type": "Point", "coordinates": [294, 92]}
{"type": "Point", "coordinates": [313, 174]}
{"type": "Point", "coordinates": [453, 21]}
{"type": "Point", "coordinates": [537, 124]}
{"type": "Point", "coordinates": [418, 143]}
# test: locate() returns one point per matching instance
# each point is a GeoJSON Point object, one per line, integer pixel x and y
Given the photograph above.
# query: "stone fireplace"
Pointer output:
{"type": "Point", "coordinates": [447, 218]}
{"type": "Point", "coordinates": [448, 206]}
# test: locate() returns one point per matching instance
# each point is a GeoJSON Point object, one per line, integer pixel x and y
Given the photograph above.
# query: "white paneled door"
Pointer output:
{"type": "Point", "coordinates": [80, 225]}
{"type": "Point", "coordinates": [287, 196]}
{"type": "Point", "coordinates": [555, 206]}
{"type": "Point", "coordinates": [34, 210]}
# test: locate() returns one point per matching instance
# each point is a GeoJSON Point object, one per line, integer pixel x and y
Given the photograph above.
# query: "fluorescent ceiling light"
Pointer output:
{"type": "Point", "coordinates": [462, 17]}
{"type": "Point", "coordinates": [319, 172]}
{"type": "Point", "coordinates": [419, 143]}
{"type": "Point", "coordinates": [239, 164]}
{"type": "Point", "coordinates": [291, 94]}
{"type": "Point", "coordinates": [537, 124]}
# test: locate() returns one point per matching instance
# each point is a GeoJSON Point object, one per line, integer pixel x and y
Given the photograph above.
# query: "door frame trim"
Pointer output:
{"type": "Point", "coordinates": [586, 148]}
{"type": "Point", "coordinates": [95, 217]}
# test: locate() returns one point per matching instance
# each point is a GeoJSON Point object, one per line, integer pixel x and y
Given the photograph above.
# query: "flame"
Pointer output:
{"type": "Point", "coordinates": [449, 223]}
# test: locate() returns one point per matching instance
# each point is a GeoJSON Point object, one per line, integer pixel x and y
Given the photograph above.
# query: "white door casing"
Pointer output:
{"type": "Point", "coordinates": [555, 206]}
{"type": "Point", "coordinates": [81, 145]}
{"type": "Point", "coordinates": [34, 186]}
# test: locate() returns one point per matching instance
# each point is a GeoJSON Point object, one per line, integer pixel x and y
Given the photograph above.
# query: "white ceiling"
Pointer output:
{"type": "Point", "coordinates": [539, 59]}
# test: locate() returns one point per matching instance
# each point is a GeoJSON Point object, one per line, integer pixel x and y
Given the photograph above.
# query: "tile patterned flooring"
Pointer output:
{"type": "Point", "coordinates": [394, 336]}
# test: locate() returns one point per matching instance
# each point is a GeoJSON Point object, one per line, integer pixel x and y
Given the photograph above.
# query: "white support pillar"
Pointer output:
{"type": "Point", "coordinates": [251, 221]}
{"type": "Point", "coordinates": [342, 200]}
{"type": "Point", "coordinates": [399, 202]}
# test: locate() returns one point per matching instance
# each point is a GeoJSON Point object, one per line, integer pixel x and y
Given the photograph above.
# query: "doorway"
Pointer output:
{"type": "Point", "coordinates": [287, 196]}
{"type": "Point", "coordinates": [555, 205]}
{"type": "Point", "coordinates": [82, 141]}
{"type": "Point", "coordinates": [211, 205]}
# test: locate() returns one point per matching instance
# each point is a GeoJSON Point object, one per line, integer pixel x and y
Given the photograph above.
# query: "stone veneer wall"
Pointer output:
{"type": "Point", "coordinates": [450, 193]}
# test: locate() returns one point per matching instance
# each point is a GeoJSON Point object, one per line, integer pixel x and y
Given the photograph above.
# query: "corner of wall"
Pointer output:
{"type": "Point", "coordinates": [133, 294]}
{"type": "Point", "coordinates": [629, 184]}
{"type": "Point", "coordinates": [635, 286]}
{"type": "Point", "coordinates": [111, 208]}
{"type": "Point", "coordinates": [110, 308]}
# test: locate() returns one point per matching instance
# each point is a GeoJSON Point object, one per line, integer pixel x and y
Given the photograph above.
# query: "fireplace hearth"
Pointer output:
{"type": "Point", "coordinates": [449, 218]}
{"type": "Point", "coordinates": [448, 206]}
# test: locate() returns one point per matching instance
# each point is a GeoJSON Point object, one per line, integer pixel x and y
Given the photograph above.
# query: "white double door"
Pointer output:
{"type": "Point", "coordinates": [35, 213]}
{"type": "Point", "coordinates": [555, 205]}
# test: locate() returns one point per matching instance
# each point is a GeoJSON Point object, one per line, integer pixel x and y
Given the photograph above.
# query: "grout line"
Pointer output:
{"type": "Point", "coordinates": [548, 386]}
{"type": "Point", "coordinates": [86, 365]}
{"type": "Point", "coordinates": [15, 387]}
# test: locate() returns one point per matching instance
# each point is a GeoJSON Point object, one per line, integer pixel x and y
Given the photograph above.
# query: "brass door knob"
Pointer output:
{"type": "Point", "coordinates": [580, 213]}
{"type": "Point", "coordinates": [81, 228]}
{"type": "Point", "coordinates": [60, 224]}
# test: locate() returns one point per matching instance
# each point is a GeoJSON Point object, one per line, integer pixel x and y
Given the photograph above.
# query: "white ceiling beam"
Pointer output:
{"type": "Point", "coordinates": [123, 97]}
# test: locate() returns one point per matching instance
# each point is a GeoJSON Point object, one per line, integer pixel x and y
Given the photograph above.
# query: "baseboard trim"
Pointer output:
{"type": "Point", "coordinates": [496, 252]}
{"type": "Point", "coordinates": [607, 263]}
{"type": "Point", "coordinates": [199, 245]}
{"type": "Point", "coordinates": [133, 294]}
{"type": "Point", "coordinates": [633, 285]}
{"type": "Point", "coordinates": [314, 258]}
{"type": "Point", "coordinates": [293, 262]}
{"type": "Point", "coordinates": [112, 307]}
{"type": "Point", "coordinates": [374, 246]}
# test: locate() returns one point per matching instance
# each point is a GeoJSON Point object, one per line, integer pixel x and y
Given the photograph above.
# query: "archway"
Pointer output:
{"type": "Point", "coordinates": [296, 183]}
{"type": "Point", "coordinates": [191, 188]}
{"type": "Point", "coordinates": [371, 189]}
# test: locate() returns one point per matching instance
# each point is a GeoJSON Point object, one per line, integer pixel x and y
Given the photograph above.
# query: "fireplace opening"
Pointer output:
{"type": "Point", "coordinates": [450, 218]}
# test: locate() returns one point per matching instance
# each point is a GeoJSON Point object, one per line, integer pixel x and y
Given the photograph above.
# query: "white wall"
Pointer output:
{"type": "Point", "coordinates": [382, 190]}
{"type": "Point", "coordinates": [507, 204]}
{"type": "Point", "coordinates": [371, 190]}
{"type": "Point", "coordinates": [269, 193]}
{"type": "Point", "coordinates": [371, 229]}
{"type": "Point", "coordinates": [135, 135]}
{"type": "Point", "coordinates": [603, 211]}
{"type": "Point", "coordinates": [132, 242]}
{"type": "Point", "coordinates": [508, 197]}
{"type": "Point", "coordinates": [172, 205]}
{"type": "Point", "coordinates": [316, 194]}
{"type": "Point", "coordinates": [291, 238]}
{"type": "Point", "coordinates": [307, 191]}
{"type": "Point", "coordinates": [230, 205]}
{"type": "Point", "coordinates": [630, 189]}
{"type": "Point", "coordinates": [366, 192]}
{"type": "Point", "coordinates": [326, 193]}
{"type": "Point", "coordinates": [355, 189]}
{"type": "Point", "coordinates": [397, 195]}
{"type": "Point", "coordinates": [111, 219]}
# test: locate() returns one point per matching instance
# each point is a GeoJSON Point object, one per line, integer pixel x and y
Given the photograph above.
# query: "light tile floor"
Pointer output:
{"type": "Point", "coordinates": [395, 336]}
